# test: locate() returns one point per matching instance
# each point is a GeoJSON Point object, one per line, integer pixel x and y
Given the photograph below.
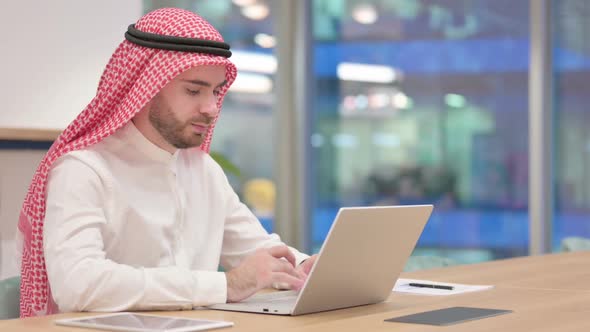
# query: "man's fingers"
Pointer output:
{"type": "Point", "coordinates": [281, 279]}
{"type": "Point", "coordinates": [285, 267]}
{"type": "Point", "coordinates": [304, 268]}
{"type": "Point", "coordinates": [283, 252]}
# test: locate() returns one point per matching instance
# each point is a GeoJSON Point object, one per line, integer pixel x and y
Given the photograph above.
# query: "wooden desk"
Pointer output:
{"type": "Point", "coordinates": [546, 293]}
{"type": "Point", "coordinates": [24, 134]}
{"type": "Point", "coordinates": [558, 271]}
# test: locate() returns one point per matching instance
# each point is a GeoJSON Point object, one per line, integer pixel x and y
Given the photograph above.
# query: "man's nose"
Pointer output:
{"type": "Point", "coordinates": [209, 107]}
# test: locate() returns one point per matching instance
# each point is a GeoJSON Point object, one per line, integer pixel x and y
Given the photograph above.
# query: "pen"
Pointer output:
{"type": "Point", "coordinates": [414, 284]}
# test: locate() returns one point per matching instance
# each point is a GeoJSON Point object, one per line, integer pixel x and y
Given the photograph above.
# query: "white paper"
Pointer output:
{"type": "Point", "coordinates": [402, 286]}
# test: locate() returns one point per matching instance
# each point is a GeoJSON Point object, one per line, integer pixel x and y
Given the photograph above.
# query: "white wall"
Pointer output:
{"type": "Point", "coordinates": [52, 55]}
{"type": "Point", "coordinates": [51, 58]}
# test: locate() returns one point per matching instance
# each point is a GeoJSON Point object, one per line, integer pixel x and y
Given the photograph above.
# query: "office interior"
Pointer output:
{"type": "Point", "coordinates": [476, 106]}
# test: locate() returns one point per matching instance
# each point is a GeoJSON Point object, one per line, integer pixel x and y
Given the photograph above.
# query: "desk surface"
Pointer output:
{"type": "Point", "coordinates": [546, 293]}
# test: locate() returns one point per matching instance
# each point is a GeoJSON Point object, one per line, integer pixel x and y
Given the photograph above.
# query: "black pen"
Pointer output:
{"type": "Point", "coordinates": [414, 284]}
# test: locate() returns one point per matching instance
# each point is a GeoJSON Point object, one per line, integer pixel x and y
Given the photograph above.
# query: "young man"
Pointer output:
{"type": "Point", "coordinates": [127, 211]}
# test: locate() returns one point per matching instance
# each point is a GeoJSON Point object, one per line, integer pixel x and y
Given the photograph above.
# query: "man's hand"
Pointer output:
{"type": "Point", "coordinates": [306, 266]}
{"type": "Point", "coordinates": [264, 269]}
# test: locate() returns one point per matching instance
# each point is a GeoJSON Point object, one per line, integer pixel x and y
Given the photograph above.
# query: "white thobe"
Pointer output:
{"type": "Point", "coordinates": [129, 226]}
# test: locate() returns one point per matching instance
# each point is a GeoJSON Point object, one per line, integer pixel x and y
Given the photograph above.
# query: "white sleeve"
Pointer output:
{"type": "Point", "coordinates": [83, 279]}
{"type": "Point", "coordinates": [243, 234]}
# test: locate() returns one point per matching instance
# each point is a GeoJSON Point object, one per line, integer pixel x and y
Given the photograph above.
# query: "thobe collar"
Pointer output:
{"type": "Point", "coordinates": [147, 148]}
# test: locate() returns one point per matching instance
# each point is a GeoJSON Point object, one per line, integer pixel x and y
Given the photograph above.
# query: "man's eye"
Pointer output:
{"type": "Point", "coordinates": [216, 92]}
{"type": "Point", "coordinates": [192, 92]}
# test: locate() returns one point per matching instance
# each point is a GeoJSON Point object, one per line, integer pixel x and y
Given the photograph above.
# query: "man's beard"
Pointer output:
{"type": "Point", "coordinates": [171, 128]}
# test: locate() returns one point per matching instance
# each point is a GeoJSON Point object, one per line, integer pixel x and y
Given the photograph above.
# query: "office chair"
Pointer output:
{"type": "Point", "coordinates": [10, 298]}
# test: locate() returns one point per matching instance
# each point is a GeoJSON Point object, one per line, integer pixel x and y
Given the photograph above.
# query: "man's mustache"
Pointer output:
{"type": "Point", "coordinates": [204, 120]}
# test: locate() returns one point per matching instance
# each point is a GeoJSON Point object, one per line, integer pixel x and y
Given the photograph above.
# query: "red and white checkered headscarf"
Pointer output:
{"type": "Point", "coordinates": [132, 77]}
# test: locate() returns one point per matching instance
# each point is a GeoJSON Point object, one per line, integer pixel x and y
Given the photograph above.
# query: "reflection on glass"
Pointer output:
{"type": "Point", "coordinates": [425, 102]}
{"type": "Point", "coordinates": [572, 148]}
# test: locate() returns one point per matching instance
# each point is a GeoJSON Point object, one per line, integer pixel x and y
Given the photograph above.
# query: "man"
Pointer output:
{"type": "Point", "coordinates": [127, 211]}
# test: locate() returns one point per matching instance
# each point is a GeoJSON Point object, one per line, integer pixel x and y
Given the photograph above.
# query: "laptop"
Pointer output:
{"type": "Point", "coordinates": [365, 251]}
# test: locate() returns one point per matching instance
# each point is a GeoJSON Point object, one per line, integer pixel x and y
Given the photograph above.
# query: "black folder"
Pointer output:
{"type": "Point", "coordinates": [448, 316]}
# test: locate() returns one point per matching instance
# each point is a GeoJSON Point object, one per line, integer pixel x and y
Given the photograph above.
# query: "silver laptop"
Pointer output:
{"type": "Point", "coordinates": [359, 262]}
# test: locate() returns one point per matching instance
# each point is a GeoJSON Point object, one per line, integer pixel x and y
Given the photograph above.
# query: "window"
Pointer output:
{"type": "Point", "coordinates": [571, 61]}
{"type": "Point", "coordinates": [425, 102]}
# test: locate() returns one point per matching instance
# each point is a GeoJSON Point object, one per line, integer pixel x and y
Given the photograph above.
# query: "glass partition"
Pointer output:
{"type": "Point", "coordinates": [425, 102]}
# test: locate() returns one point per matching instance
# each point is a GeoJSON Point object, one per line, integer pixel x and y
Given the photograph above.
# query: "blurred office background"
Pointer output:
{"type": "Point", "coordinates": [381, 102]}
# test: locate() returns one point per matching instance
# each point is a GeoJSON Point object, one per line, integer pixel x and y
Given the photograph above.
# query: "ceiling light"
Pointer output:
{"type": "Point", "coordinates": [364, 14]}
{"type": "Point", "coordinates": [256, 12]}
{"type": "Point", "coordinates": [254, 62]}
{"type": "Point", "coordinates": [348, 71]}
{"type": "Point", "coordinates": [401, 101]}
{"type": "Point", "coordinates": [251, 83]}
{"type": "Point", "coordinates": [264, 40]}
{"type": "Point", "coordinates": [455, 100]}
{"type": "Point", "coordinates": [243, 3]}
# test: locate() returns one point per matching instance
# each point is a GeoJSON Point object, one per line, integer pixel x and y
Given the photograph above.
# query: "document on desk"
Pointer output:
{"type": "Point", "coordinates": [427, 287]}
